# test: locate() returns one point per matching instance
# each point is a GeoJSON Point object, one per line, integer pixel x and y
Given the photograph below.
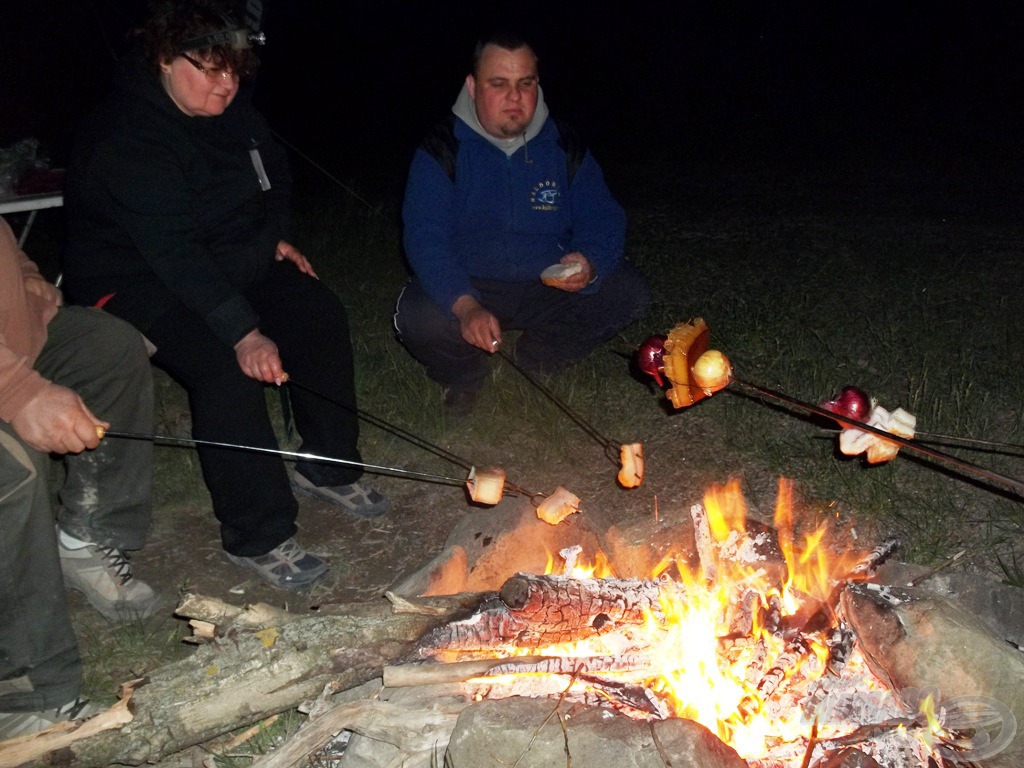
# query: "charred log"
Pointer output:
{"type": "Point", "coordinates": [787, 661]}
{"type": "Point", "coordinates": [535, 611]}
{"type": "Point", "coordinates": [568, 602]}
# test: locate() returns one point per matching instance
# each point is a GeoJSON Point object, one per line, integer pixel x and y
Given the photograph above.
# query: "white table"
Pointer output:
{"type": "Point", "coordinates": [31, 203]}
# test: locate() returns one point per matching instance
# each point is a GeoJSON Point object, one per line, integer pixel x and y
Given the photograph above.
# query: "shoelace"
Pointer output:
{"type": "Point", "coordinates": [118, 561]}
{"type": "Point", "coordinates": [72, 709]}
{"type": "Point", "coordinates": [291, 551]}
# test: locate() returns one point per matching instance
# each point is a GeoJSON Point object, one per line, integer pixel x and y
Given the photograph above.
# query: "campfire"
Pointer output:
{"type": "Point", "coordinates": [744, 646]}
{"type": "Point", "coordinates": [750, 641]}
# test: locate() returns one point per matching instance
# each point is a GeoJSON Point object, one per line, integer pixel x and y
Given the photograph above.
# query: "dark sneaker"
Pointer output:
{"type": "Point", "coordinates": [356, 499]}
{"type": "Point", "coordinates": [104, 576]}
{"type": "Point", "coordinates": [286, 566]}
{"type": "Point", "coordinates": [459, 403]}
{"type": "Point", "coordinates": [14, 724]}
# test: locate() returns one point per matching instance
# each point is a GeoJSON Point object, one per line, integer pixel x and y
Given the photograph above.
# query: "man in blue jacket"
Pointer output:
{"type": "Point", "coordinates": [497, 195]}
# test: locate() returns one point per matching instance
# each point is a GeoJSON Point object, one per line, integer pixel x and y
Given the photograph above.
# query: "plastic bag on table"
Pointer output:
{"type": "Point", "coordinates": [15, 160]}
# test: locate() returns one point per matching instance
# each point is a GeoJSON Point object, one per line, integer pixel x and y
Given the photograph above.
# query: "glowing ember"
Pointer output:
{"type": "Point", "coordinates": [758, 657]}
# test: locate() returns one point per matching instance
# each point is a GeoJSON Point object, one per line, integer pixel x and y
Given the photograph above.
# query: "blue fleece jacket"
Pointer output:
{"type": "Point", "coordinates": [506, 218]}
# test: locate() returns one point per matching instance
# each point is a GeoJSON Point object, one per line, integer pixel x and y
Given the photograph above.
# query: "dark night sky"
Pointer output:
{"type": "Point", "coordinates": [833, 86]}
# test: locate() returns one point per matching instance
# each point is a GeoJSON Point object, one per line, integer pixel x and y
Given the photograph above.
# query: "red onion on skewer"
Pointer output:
{"type": "Point", "coordinates": [852, 403]}
{"type": "Point", "coordinates": [648, 357]}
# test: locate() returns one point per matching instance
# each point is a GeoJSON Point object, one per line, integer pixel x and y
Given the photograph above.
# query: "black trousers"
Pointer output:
{"type": "Point", "coordinates": [251, 494]}
{"type": "Point", "coordinates": [559, 328]}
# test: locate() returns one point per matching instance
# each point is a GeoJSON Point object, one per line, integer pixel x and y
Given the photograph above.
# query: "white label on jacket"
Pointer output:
{"type": "Point", "coordinates": [257, 163]}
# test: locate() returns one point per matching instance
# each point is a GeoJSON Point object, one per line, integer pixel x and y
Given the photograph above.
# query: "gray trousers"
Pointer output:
{"type": "Point", "coordinates": [106, 499]}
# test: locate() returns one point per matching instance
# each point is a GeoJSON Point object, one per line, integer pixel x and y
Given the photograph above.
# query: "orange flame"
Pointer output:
{"type": "Point", "coordinates": [715, 642]}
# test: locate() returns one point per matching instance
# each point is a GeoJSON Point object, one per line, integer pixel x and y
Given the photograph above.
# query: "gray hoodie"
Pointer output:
{"type": "Point", "coordinates": [465, 109]}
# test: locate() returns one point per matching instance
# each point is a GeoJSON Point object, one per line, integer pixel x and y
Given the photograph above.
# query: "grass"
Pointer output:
{"type": "Point", "coordinates": [126, 652]}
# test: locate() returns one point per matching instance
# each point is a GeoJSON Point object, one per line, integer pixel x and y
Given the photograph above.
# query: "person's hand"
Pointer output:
{"type": "Point", "coordinates": [581, 279]}
{"type": "Point", "coordinates": [258, 358]}
{"type": "Point", "coordinates": [45, 290]}
{"type": "Point", "coordinates": [57, 421]}
{"type": "Point", "coordinates": [287, 251]}
{"type": "Point", "coordinates": [478, 326]}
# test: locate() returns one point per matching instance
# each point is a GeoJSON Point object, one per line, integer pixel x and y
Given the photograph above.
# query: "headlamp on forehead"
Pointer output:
{"type": "Point", "coordinates": [233, 36]}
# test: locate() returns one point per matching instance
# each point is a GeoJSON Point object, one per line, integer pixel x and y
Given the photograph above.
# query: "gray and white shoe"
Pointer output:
{"type": "Point", "coordinates": [286, 566]}
{"type": "Point", "coordinates": [356, 499]}
{"type": "Point", "coordinates": [104, 576]}
{"type": "Point", "coordinates": [14, 724]}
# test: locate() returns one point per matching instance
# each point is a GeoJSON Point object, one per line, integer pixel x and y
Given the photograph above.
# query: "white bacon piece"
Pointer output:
{"type": "Point", "coordinates": [853, 442]}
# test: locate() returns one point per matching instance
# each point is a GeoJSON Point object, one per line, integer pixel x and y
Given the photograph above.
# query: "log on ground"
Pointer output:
{"type": "Point", "coordinates": [246, 676]}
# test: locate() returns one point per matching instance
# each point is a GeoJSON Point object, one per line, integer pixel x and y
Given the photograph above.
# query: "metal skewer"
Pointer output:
{"type": "Point", "coordinates": [408, 436]}
{"type": "Point", "coordinates": [511, 488]}
{"type": "Point", "coordinates": [971, 443]}
{"type": "Point", "coordinates": [611, 448]}
{"type": "Point", "coordinates": [913, 445]}
{"type": "Point", "coordinates": [191, 441]}
{"type": "Point", "coordinates": [380, 423]}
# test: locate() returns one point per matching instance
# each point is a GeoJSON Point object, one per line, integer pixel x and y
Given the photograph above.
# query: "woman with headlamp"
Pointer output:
{"type": "Point", "coordinates": [178, 211]}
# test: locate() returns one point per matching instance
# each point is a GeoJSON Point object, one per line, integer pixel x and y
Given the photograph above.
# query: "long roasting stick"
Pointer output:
{"type": "Point", "coordinates": [191, 441]}
{"type": "Point", "coordinates": [913, 445]}
{"type": "Point", "coordinates": [609, 445]}
{"type": "Point", "coordinates": [511, 488]}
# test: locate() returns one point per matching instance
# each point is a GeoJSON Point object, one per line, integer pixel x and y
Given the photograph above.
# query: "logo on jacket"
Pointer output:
{"type": "Point", "coordinates": [545, 196]}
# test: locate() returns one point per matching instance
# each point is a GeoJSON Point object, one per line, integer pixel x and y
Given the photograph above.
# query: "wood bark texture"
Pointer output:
{"type": "Point", "coordinates": [244, 676]}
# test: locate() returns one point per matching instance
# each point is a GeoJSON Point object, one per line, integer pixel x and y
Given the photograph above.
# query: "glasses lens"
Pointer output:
{"type": "Point", "coordinates": [213, 74]}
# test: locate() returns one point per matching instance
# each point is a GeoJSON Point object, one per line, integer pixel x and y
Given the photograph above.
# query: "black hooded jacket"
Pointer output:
{"type": "Point", "coordinates": [165, 207]}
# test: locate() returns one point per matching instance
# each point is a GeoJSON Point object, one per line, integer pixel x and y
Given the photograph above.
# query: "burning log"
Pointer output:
{"type": "Point", "coordinates": [635, 664]}
{"type": "Point", "coordinates": [570, 555]}
{"type": "Point", "coordinates": [754, 670]}
{"type": "Point", "coordinates": [532, 611]}
{"type": "Point", "coordinates": [628, 698]}
{"type": "Point", "coordinates": [874, 560]}
{"type": "Point", "coordinates": [787, 661]}
{"type": "Point", "coordinates": [840, 646]}
{"type": "Point", "coordinates": [633, 700]}
{"type": "Point", "coordinates": [593, 672]}
{"type": "Point", "coordinates": [840, 642]}
{"type": "Point", "coordinates": [821, 617]}
{"type": "Point", "coordinates": [741, 623]}
{"type": "Point", "coordinates": [849, 758]}
{"type": "Point", "coordinates": [771, 620]}
{"type": "Point", "coordinates": [872, 731]}
{"type": "Point", "coordinates": [705, 543]}
{"type": "Point", "coordinates": [561, 601]}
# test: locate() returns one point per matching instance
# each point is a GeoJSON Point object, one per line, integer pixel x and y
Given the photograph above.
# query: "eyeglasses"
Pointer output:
{"type": "Point", "coordinates": [213, 74]}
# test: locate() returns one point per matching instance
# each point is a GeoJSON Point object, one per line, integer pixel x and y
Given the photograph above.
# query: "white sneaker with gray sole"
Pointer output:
{"type": "Point", "coordinates": [104, 576]}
